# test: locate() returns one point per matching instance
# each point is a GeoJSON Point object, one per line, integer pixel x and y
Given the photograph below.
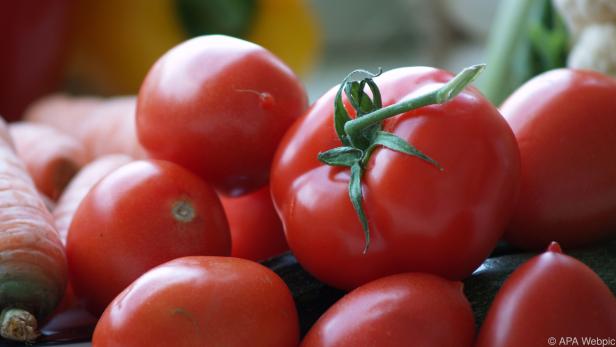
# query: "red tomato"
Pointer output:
{"type": "Point", "coordinates": [141, 215]}
{"type": "Point", "coordinates": [219, 106]}
{"type": "Point", "coordinates": [565, 124]}
{"type": "Point", "coordinates": [33, 43]}
{"type": "Point", "coordinates": [412, 309]}
{"type": "Point", "coordinates": [256, 230]}
{"type": "Point", "coordinates": [549, 298]}
{"type": "Point", "coordinates": [421, 219]}
{"type": "Point", "coordinates": [202, 301]}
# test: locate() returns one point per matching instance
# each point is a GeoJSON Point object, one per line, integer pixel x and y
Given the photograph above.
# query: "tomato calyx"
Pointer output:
{"type": "Point", "coordinates": [361, 135]}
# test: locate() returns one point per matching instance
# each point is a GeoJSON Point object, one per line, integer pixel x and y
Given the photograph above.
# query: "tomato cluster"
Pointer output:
{"type": "Point", "coordinates": [394, 187]}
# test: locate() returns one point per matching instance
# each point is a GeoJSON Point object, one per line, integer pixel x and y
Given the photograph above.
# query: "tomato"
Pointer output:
{"type": "Point", "coordinates": [549, 298]}
{"type": "Point", "coordinates": [565, 125]}
{"type": "Point", "coordinates": [227, 97]}
{"type": "Point", "coordinates": [411, 309]}
{"type": "Point", "coordinates": [421, 219]}
{"type": "Point", "coordinates": [202, 301]}
{"type": "Point", "coordinates": [139, 216]}
{"type": "Point", "coordinates": [256, 230]}
{"type": "Point", "coordinates": [34, 39]}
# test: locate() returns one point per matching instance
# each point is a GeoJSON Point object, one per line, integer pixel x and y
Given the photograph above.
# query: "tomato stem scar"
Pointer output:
{"type": "Point", "coordinates": [183, 211]}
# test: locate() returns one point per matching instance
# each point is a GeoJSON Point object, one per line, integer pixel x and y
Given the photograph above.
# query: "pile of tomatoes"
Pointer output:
{"type": "Point", "coordinates": [408, 206]}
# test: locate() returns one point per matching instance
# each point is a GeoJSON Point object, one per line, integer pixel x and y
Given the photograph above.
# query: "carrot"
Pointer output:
{"type": "Point", "coordinates": [80, 186]}
{"type": "Point", "coordinates": [51, 205]}
{"type": "Point", "coordinates": [51, 157]}
{"type": "Point", "coordinates": [33, 272]}
{"type": "Point", "coordinates": [111, 129]}
{"type": "Point", "coordinates": [66, 113]}
{"type": "Point", "coordinates": [104, 126]}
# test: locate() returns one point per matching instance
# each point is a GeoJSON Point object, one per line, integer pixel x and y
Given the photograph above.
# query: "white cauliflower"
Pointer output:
{"type": "Point", "coordinates": [592, 25]}
{"type": "Point", "coordinates": [579, 14]}
{"type": "Point", "coordinates": [595, 49]}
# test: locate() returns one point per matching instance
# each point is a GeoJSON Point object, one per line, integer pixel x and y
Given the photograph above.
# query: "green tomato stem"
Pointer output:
{"type": "Point", "coordinates": [361, 135]}
{"type": "Point", "coordinates": [449, 90]}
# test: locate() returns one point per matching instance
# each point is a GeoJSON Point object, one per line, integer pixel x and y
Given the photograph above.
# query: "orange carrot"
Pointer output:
{"type": "Point", "coordinates": [51, 205]}
{"type": "Point", "coordinates": [104, 126]}
{"type": "Point", "coordinates": [81, 185]}
{"type": "Point", "coordinates": [33, 271]}
{"type": "Point", "coordinates": [51, 157]}
{"type": "Point", "coordinates": [66, 113]}
{"type": "Point", "coordinates": [111, 129]}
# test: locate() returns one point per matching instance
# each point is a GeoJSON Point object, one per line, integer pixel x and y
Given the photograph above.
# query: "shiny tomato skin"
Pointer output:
{"type": "Point", "coordinates": [202, 301]}
{"type": "Point", "coordinates": [219, 106]}
{"type": "Point", "coordinates": [550, 296]}
{"type": "Point", "coordinates": [256, 229]}
{"type": "Point", "coordinates": [565, 124]}
{"type": "Point", "coordinates": [139, 216]}
{"type": "Point", "coordinates": [421, 219]}
{"type": "Point", "coordinates": [410, 309]}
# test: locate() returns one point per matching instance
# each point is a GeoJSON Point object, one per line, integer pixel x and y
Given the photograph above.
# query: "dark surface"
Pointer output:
{"type": "Point", "coordinates": [482, 286]}
{"type": "Point", "coordinates": [313, 297]}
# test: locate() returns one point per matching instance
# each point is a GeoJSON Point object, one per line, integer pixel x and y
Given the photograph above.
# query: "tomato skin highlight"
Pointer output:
{"type": "Point", "coordinates": [550, 296]}
{"type": "Point", "coordinates": [421, 219]}
{"type": "Point", "coordinates": [141, 215]}
{"type": "Point", "coordinates": [411, 309]}
{"type": "Point", "coordinates": [202, 301]}
{"type": "Point", "coordinates": [256, 229]}
{"type": "Point", "coordinates": [566, 129]}
{"type": "Point", "coordinates": [225, 96]}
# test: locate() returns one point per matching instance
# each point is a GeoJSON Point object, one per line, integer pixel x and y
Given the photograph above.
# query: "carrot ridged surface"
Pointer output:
{"type": "Point", "coordinates": [33, 271]}
{"type": "Point", "coordinates": [51, 157]}
{"type": "Point", "coordinates": [66, 113]}
{"type": "Point", "coordinates": [104, 126]}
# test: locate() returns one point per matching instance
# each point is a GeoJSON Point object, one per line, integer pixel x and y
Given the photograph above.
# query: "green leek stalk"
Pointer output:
{"type": "Point", "coordinates": [528, 37]}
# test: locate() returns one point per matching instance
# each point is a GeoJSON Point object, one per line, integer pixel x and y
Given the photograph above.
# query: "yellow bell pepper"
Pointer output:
{"type": "Point", "coordinates": [288, 29]}
{"type": "Point", "coordinates": [115, 42]}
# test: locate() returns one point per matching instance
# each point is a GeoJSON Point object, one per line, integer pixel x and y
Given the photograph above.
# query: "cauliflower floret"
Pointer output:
{"type": "Point", "coordinates": [595, 49]}
{"type": "Point", "coordinates": [579, 14]}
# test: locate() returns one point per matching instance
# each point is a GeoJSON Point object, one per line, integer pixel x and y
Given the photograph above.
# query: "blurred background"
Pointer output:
{"type": "Point", "coordinates": [105, 48]}
{"type": "Point", "coordinates": [447, 34]}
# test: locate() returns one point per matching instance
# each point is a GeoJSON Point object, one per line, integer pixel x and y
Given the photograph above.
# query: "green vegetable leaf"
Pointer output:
{"type": "Point", "coordinates": [341, 116]}
{"type": "Point", "coordinates": [360, 101]}
{"type": "Point", "coordinates": [395, 143]}
{"type": "Point", "coordinates": [376, 94]}
{"type": "Point", "coordinates": [341, 156]}
{"type": "Point", "coordinates": [518, 47]}
{"type": "Point", "coordinates": [549, 37]}
{"type": "Point", "coordinates": [351, 89]}
{"type": "Point", "coordinates": [356, 195]}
